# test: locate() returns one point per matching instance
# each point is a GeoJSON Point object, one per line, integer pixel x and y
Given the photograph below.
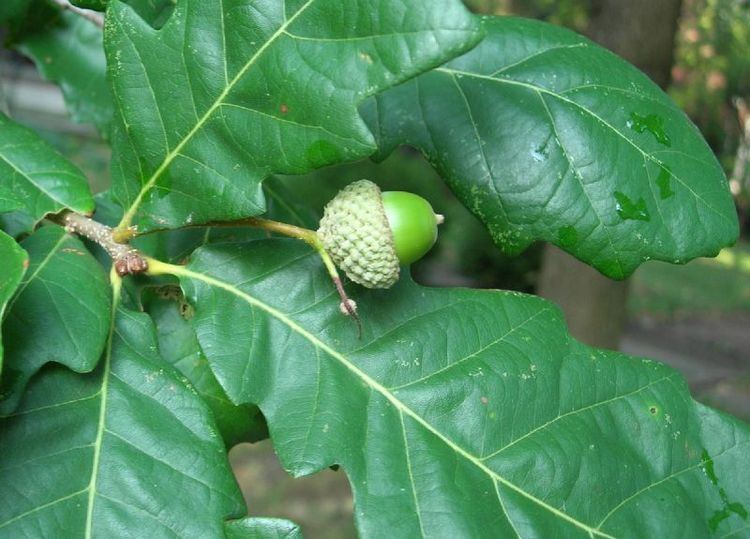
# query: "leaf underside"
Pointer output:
{"type": "Point", "coordinates": [227, 93]}
{"type": "Point", "coordinates": [546, 136]}
{"type": "Point", "coordinates": [463, 413]}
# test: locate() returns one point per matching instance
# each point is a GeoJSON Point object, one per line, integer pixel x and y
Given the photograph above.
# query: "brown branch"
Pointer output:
{"type": "Point", "coordinates": [87, 14]}
{"type": "Point", "coordinates": [127, 260]}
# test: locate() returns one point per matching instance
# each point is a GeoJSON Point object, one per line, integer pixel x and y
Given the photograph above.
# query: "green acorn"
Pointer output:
{"type": "Point", "coordinates": [370, 234]}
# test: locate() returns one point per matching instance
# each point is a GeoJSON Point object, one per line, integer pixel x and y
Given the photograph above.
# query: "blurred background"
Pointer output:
{"type": "Point", "coordinates": [694, 317]}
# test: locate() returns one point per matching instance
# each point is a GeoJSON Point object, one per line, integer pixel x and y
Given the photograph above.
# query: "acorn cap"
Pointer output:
{"type": "Point", "coordinates": [355, 232]}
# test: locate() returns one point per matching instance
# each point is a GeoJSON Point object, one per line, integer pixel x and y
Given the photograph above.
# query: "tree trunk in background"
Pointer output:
{"type": "Point", "coordinates": [643, 32]}
{"type": "Point", "coordinates": [595, 307]}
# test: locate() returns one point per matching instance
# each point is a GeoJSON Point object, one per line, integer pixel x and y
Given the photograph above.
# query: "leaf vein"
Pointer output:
{"type": "Point", "coordinates": [378, 387]}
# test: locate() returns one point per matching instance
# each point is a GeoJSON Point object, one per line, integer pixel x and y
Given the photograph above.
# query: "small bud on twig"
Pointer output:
{"type": "Point", "coordinates": [127, 259]}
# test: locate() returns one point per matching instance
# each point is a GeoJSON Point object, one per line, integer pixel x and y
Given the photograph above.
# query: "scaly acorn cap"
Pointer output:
{"type": "Point", "coordinates": [355, 232]}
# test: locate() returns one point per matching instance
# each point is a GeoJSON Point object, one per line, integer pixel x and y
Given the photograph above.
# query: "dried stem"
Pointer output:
{"type": "Point", "coordinates": [127, 260]}
{"type": "Point", "coordinates": [87, 14]}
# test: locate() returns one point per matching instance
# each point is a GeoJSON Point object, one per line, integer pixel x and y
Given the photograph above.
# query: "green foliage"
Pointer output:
{"type": "Point", "coordinates": [155, 12]}
{"type": "Point", "coordinates": [604, 163]}
{"type": "Point", "coordinates": [456, 412]}
{"type": "Point", "coordinates": [424, 391]}
{"type": "Point", "coordinates": [12, 10]}
{"type": "Point", "coordinates": [179, 347]}
{"type": "Point", "coordinates": [568, 13]}
{"type": "Point", "coordinates": [128, 448]}
{"type": "Point", "coordinates": [68, 51]}
{"type": "Point", "coordinates": [66, 298]}
{"type": "Point", "coordinates": [168, 167]}
{"type": "Point", "coordinates": [15, 261]}
{"type": "Point", "coordinates": [40, 180]}
{"type": "Point", "coordinates": [262, 528]}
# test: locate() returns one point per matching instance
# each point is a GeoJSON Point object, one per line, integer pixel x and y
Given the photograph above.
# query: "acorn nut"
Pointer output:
{"type": "Point", "coordinates": [369, 234]}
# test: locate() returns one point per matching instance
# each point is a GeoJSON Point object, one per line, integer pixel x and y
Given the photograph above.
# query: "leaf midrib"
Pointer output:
{"type": "Point", "coordinates": [376, 386]}
{"type": "Point", "coordinates": [101, 424]}
{"type": "Point", "coordinates": [127, 218]}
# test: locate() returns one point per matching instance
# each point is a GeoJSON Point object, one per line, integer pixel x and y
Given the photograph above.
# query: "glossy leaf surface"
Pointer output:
{"type": "Point", "coordinates": [14, 264]}
{"type": "Point", "coordinates": [60, 313]}
{"type": "Point", "coordinates": [179, 347]}
{"type": "Point", "coordinates": [155, 12]}
{"type": "Point", "coordinates": [128, 450]}
{"type": "Point", "coordinates": [464, 413]}
{"type": "Point", "coordinates": [41, 180]}
{"type": "Point", "coordinates": [546, 136]}
{"type": "Point", "coordinates": [227, 93]}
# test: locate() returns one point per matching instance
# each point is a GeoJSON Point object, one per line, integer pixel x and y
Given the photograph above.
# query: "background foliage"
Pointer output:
{"type": "Point", "coordinates": [221, 342]}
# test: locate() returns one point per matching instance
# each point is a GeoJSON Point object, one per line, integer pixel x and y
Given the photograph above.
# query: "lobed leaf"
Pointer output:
{"type": "Point", "coordinates": [40, 180]}
{"type": "Point", "coordinates": [8, 201]}
{"type": "Point", "coordinates": [179, 347]}
{"type": "Point", "coordinates": [128, 450]}
{"type": "Point", "coordinates": [60, 313]}
{"type": "Point", "coordinates": [546, 136]}
{"type": "Point", "coordinates": [463, 413]}
{"type": "Point", "coordinates": [226, 94]}
{"type": "Point", "coordinates": [171, 312]}
{"type": "Point", "coordinates": [15, 261]}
